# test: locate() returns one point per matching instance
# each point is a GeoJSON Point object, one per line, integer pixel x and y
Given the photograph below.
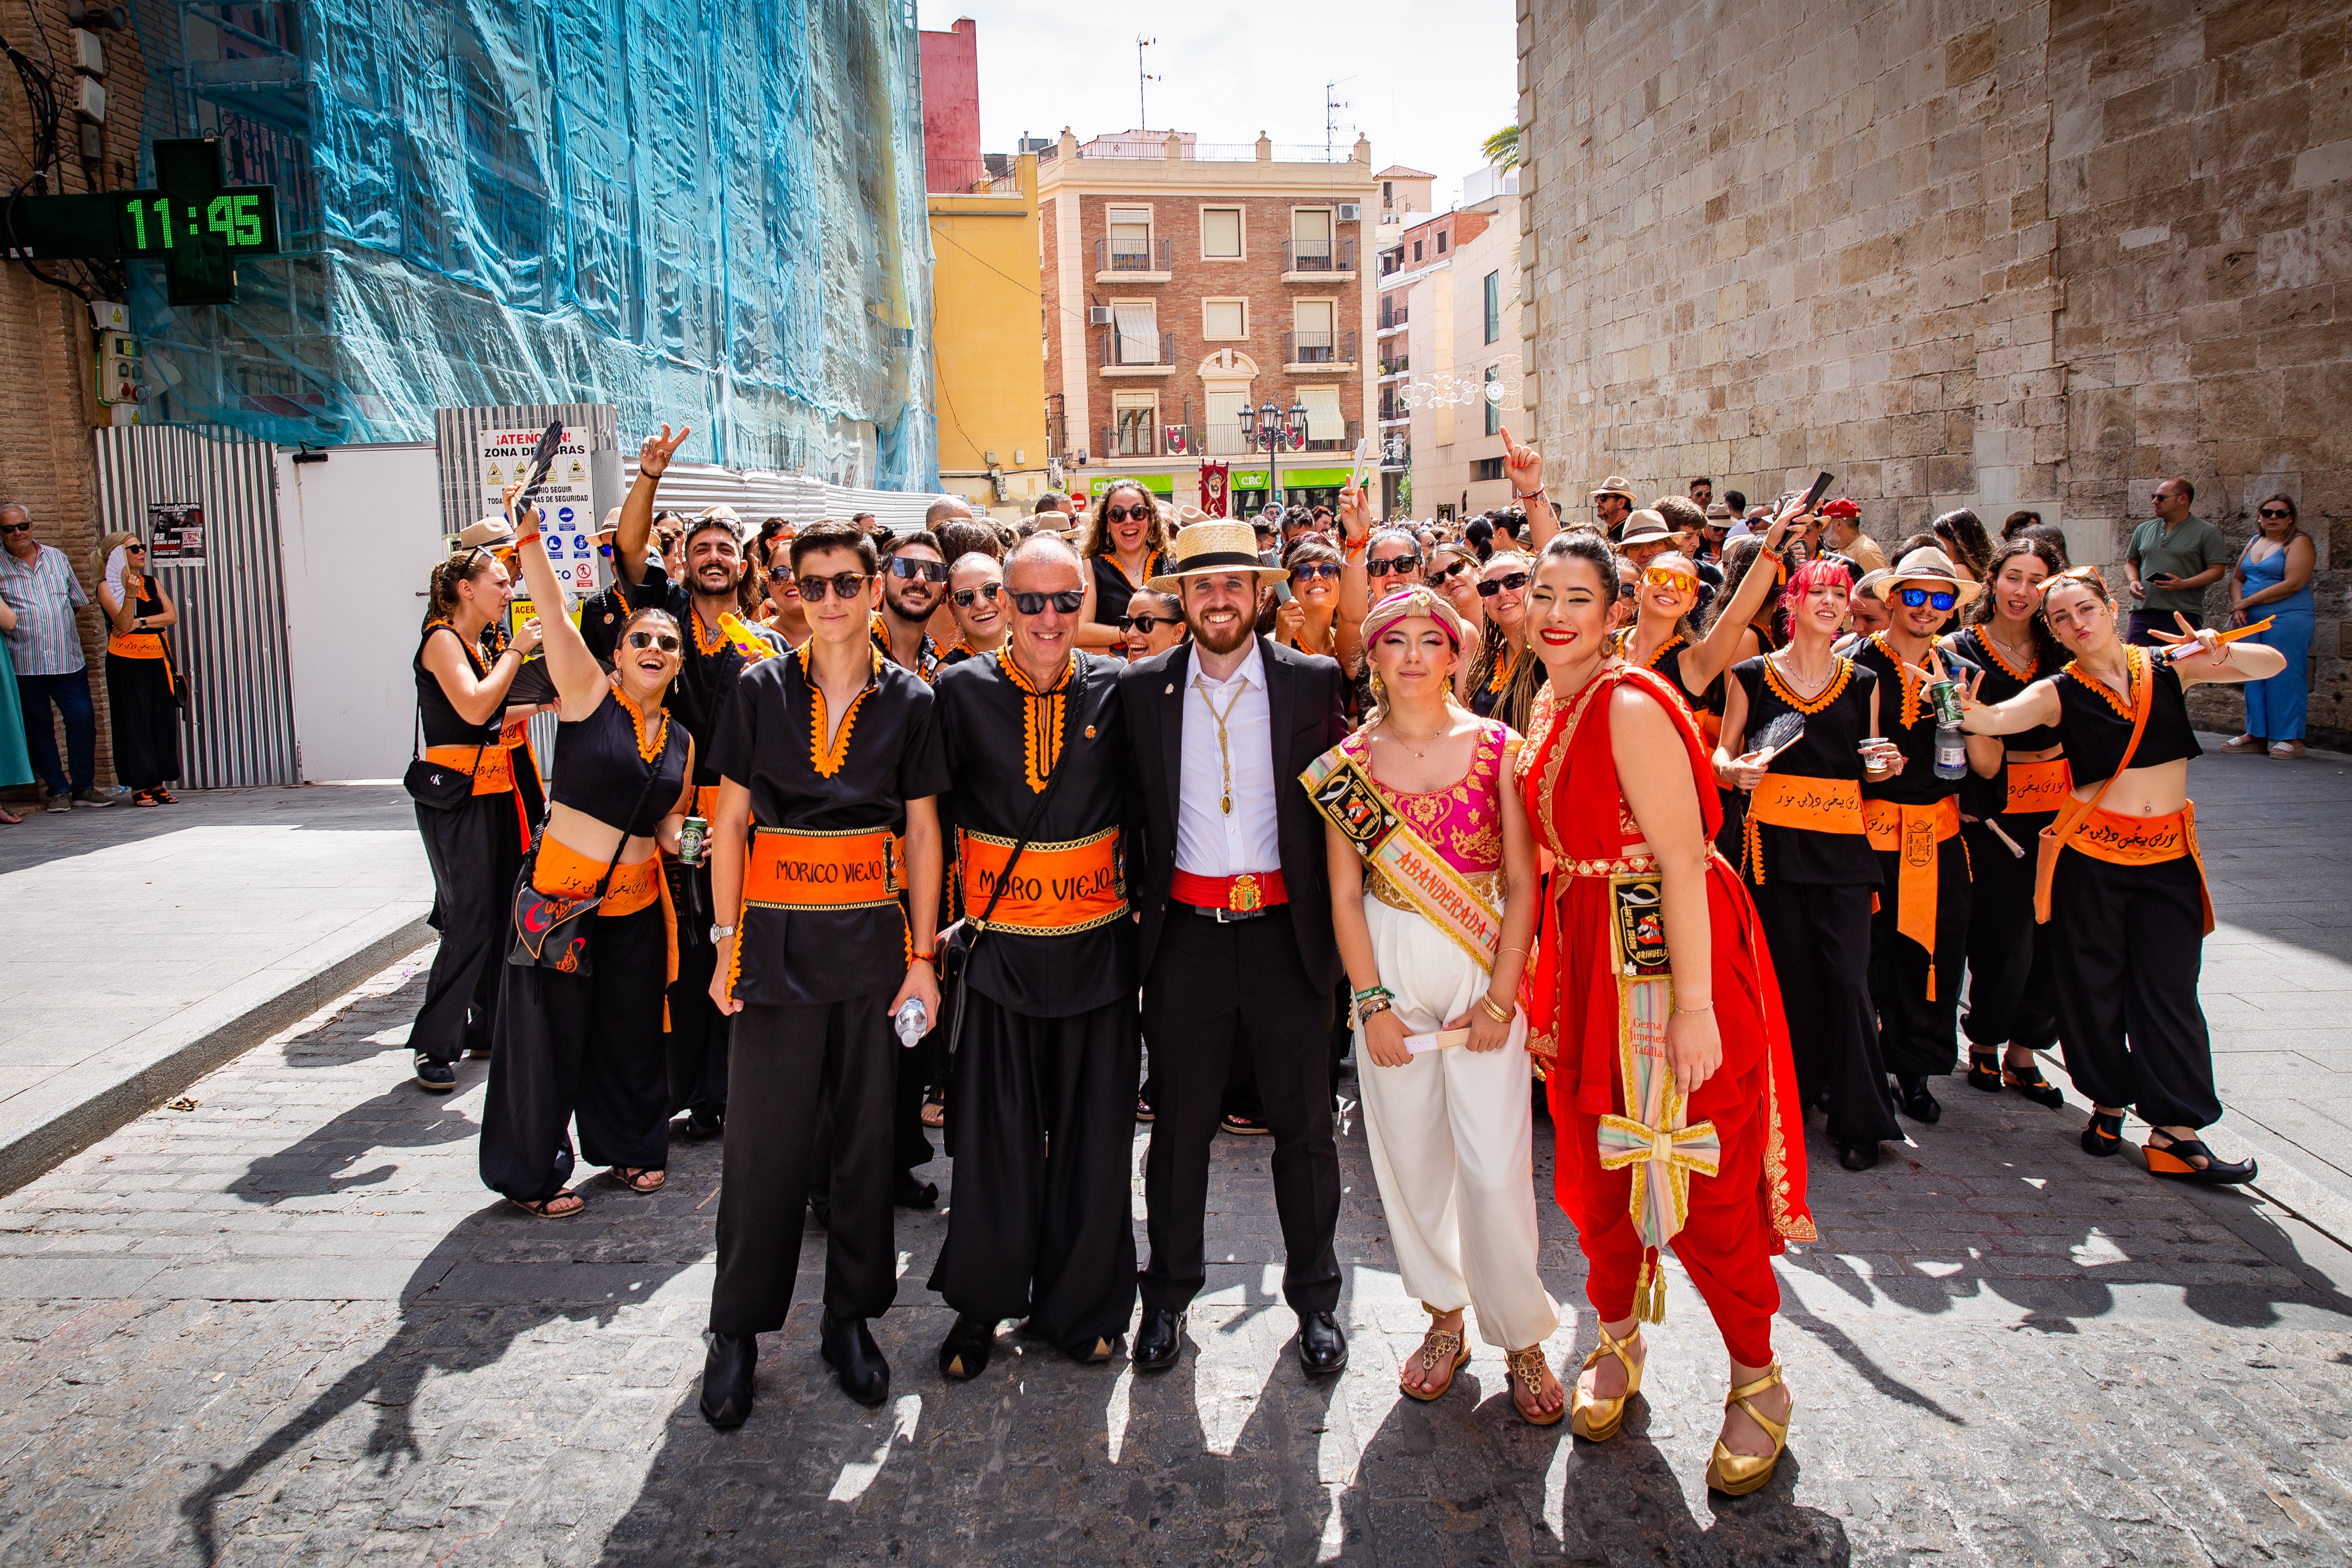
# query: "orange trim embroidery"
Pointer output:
{"type": "Point", "coordinates": [1821, 700]}
{"type": "Point", "coordinates": [2134, 671]}
{"type": "Point", "coordinates": [1041, 719]}
{"type": "Point", "coordinates": [827, 760]}
{"type": "Point", "coordinates": [718, 642]}
{"type": "Point", "coordinates": [1914, 688]}
{"type": "Point", "coordinates": [637, 728]}
{"type": "Point", "coordinates": [1991, 650]}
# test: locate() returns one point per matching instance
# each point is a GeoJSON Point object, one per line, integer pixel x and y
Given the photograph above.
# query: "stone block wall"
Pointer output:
{"type": "Point", "coordinates": [1987, 253]}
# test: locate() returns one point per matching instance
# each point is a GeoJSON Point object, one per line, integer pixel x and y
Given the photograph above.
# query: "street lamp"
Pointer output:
{"type": "Point", "coordinates": [1272, 434]}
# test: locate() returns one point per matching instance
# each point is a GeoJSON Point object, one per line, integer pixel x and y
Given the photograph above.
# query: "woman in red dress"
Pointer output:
{"type": "Point", "coordinates": [1617, 784]}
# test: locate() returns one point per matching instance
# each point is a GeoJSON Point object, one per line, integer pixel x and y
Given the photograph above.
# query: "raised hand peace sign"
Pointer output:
{"type": "Point", "coordinates": [654, 456]}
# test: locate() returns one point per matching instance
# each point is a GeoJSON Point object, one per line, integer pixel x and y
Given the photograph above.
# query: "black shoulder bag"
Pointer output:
{"type": "Point", "coordinates": [438, 785]}
{"type": "Point", "coordinates": [955, 953]}
{"type": "Point", "coordinates": [551, 931]}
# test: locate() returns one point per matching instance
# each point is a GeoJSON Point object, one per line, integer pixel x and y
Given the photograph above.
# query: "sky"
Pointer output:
{"type": "Point", "coordinates": [1426, 83]}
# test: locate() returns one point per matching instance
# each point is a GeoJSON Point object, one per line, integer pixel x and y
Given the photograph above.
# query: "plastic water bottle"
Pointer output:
{"type": "Point", "coordinates": [1951, 751]}
{"type": "Point", "coordinates": [910, 1021]}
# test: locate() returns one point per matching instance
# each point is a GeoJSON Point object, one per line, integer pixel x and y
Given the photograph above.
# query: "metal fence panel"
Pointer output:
{"type": "Point", "coordinates": [231, 639]}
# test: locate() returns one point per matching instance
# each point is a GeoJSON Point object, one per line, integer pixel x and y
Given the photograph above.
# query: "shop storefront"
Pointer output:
{"type": "Point", "coordinates": [1160, 485]}
{"type": "Point", "coordinates": [1300, 487]}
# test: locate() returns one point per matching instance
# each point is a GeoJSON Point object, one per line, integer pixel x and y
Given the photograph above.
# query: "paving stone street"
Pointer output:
{"type": "Point", "coordinates": [285, 1324]}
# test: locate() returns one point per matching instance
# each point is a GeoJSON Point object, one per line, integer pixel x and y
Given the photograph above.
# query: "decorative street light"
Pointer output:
{"type": "Point", "coordinates": [1273, 434]}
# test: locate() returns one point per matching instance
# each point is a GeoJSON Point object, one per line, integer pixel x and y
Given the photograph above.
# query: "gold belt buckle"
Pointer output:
{"type": "Point", "coordinates": [1242, 896]}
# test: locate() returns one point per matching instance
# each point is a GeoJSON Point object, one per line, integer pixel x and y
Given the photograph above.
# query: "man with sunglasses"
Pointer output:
{"type": "Point", "coordinates": [1919, 935]}
{"type": "Point", "coordinates": [1039, 1104]}
{"type": "Point", "coordinates": [719, 644]}
{"type": "Point", "coordinates": [914, 584]}
{"type": "Point", "coordinates": [40, 585]}
{"type": "Point", "coordinates": [831, 757]}
{"type": "Point", "coordinates": [2174, 557]}
{"type": "Point", "coordinates": [976, 599]}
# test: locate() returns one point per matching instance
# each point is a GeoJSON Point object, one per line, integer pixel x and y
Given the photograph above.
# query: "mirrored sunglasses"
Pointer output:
{"type": "Point", "coordinates": [1035, 603]}
{"type": "Point", "coordinates": [904, 566]}
{"type": "Point", "coordinates": [845, 585]}
{"type": "Point", "coordinates": [988, 591]}
{"type": "Point", "coordinates": [1666, 577]}
{"type": "Point", "coordinates": [1914, 597]}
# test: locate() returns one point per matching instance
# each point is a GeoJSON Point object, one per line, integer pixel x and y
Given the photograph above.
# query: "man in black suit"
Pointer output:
{"type": "Point", "coordinates": [1235, 945]}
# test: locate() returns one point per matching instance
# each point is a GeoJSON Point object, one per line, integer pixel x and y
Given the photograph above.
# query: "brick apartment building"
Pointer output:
{"type": "Point", "coordinates": [1185, 284]}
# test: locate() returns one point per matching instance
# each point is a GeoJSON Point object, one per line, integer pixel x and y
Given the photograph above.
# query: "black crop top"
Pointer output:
{"type": "Point", "coordinates": [1836, 718]}
{"type": "Point", "coordinates": [599, 769]}
{"type": "Point", "coordinates": [2096, 724]}
{"type": "Point", "coordinates": [2003, 681]}
{"type": "Point", "coordinates": [442, 727]}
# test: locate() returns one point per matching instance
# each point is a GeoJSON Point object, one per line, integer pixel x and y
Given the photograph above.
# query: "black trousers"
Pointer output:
{"type": "Point", "coordinates": [2012, 989]}
{"type": "Point", "coordinates": [145, 721]}
{"type": "Point", "coordinates": [2127, 943]}
{"type": "Point", "coordinates": [1819, 939]}
{"type": "Point", "coordinates": [1215, 990]}
{"type": "Point", "coordinates": [476, 852]}
{"type": "Point", "coordinates": [1041, 1121]}
{"type": "Point", "coordinates": [585, 1047]}
{"type": "Point", "coordinates": [1918, 1037]}
{"type": "Point", "coordinates": [785, 1066]}
{"type": "Point", "coordinates": [697, 1054]}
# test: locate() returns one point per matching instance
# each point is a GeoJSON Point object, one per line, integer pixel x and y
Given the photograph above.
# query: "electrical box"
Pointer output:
{"type": "Point", "coordinates": [118, 368]}
{"type": "Point", "coordinates": [89, 53]}
{"type": "Point", "coordinates": [89, 102]}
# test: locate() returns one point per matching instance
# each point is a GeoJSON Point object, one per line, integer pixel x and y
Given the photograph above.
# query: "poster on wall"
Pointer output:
{"type": "Point", "coordinates": [175, 533]}
{"type": "Point", "coordinates": [566, 503]}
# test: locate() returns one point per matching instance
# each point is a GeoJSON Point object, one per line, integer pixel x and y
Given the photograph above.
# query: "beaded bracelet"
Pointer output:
{"type": "Point", "coordinates": [1366, 1008]}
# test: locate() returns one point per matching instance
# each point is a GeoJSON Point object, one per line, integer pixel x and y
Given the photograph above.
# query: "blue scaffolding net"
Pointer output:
{"type": "Point", "coordinates": [700, 211]}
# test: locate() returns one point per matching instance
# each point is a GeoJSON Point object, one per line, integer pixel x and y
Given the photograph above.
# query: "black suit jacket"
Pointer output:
{"type": "Point", "coordinates": [1305, 704]}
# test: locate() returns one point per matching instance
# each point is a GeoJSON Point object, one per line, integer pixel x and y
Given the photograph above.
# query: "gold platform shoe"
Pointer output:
{"type": "Point", "coordinates": [1736, 1474]}
{"type": "Point", "coordinates": [1596, 1420]}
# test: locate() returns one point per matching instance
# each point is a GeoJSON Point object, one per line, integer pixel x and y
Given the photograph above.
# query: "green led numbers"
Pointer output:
{"type": "Point", "coordinates": [248, 209]}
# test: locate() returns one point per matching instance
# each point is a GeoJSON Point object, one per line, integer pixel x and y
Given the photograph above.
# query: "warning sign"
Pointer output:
{"type": "Point", "coordinates": [566, 504]}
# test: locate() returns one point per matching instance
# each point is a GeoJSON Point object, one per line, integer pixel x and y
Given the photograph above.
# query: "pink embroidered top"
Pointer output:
{"type": "Point", "coordinates": [1463, 821]}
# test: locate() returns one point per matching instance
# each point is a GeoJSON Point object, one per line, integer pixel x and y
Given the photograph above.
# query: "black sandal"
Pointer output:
{"type": "Point", "coordinates": [2103, 1135]}
{"type": "Point", "coordinates": [640, 1180]}
{"type": "Point", "coordinates": [2039, 1089]}
{"type": "Point", "coordinates": [1985, 1071]}
{"type": "Point", "coordinates": [2172, 1162]}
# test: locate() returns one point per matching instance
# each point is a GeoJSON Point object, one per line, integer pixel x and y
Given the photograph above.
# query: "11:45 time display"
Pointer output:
{"type": "Point", "coordinates": [153, 223]}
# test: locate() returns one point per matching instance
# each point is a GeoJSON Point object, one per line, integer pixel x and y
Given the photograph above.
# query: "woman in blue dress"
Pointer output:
{"type": "Point", "coordinates": [2273, 578]}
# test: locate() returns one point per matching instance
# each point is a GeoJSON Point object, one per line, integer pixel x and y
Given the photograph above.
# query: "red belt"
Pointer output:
{"type": "Point", "coordinates": [1251, 893]}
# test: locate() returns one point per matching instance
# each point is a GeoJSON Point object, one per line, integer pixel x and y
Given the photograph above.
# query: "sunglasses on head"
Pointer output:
{"type": "Point", "coordinates": [1667, 577]}
{"type": "Point", "coordinates": [666, 641]}
{"type": "Point", "coordinates": [988, 591]}
{"type": "Point", "coordinates": [1067, 601]}
{"type": "Point", "coordinates": [1510, 583]}
{"type": "Point", "coordinates": [845, 585]}
{"type": "Point", "coordinates": [1914, 597]}
{"type": "Point", "coordinates": [1148, 624]}
{"type": "Point", "coordinates": [2275, 512]}
{"type": "Point", "coordinates": [928, 571]}
{"type": "Point", "coordinates": [1128, 513]}
{"type": "Point", "coordinates": [1309, 571]}
{"type": "Point", "coordinates": [1394, 564]}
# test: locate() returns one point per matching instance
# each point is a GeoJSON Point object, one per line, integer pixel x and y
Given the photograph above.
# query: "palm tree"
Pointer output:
{"type": "Point", "coordinates": [1502, 148]}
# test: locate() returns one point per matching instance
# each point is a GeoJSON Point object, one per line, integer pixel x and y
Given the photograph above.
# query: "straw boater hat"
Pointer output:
{"type": "Point", "coordinates": [1615, 485]}
{"type": "Point", "coordinates": [493, 533]}
{"type": "Point", "coordinates": [1932, 566]}
{"type": "Point", "coordinates": [1645, 527]}
{"type": "Point", "coordinates": [1206, 549]}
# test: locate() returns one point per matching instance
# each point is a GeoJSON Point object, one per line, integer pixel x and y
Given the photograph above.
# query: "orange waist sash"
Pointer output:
{"type": "Point", "coordinates": [493, 772]}
{"type": "Point", "coordinates": [1057, 889]}
{"type": "Point", "coordinates": [1791, 800]}
{"type": "Point", "coordinates": [1912, 832]}
{"type": "Point", "coordinates": [562, 872]}
{"type": "Point", "coordinates": [2039, 786]}
{"type": "Point", "coordinates": [844, 871]}
{"type": "Point", "coordinates": [135, 645]}
{"type": "Point", "coordinates": [2145, 841]}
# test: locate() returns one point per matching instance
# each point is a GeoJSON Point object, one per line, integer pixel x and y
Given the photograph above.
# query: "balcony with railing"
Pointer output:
{"type": "Point", "coordinates": [1127, 354]}
{"type": "Point", "coordinates": [1317, 260]}
{"type": "Point", "coordinates": [1318, 351]}
{"type": "Point", "coordinates": [1346, 443]}
{"type": "Point", "coordinates": [1146, 438]}
{"type": "Point", "coordinates": [1392, 410]}
{"type": "Point", "coordinates": [1400, 365]}
{"type": "Point", "coordinates": [1392, 316]}
{"type": "Point", "coordinates": [1131, 261]}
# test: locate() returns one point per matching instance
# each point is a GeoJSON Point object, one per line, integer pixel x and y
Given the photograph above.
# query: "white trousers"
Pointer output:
{"type": "Point", "coordinates": [1453, 1141]}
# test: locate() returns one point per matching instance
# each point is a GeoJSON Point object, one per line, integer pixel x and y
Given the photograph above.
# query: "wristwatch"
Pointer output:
{"type": "Point", "coordinates": [720, 933]}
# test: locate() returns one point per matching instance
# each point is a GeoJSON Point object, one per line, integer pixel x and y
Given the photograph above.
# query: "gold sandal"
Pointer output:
{"type": "Point", "coordinates": [1528, 1367]}
{"type": "Point", "coordinates": [1736, 1474]}
{"type": "Point", "coordinates": [1591, 1417]}
{"type": "Point", "coordinates": [1437, 1345]}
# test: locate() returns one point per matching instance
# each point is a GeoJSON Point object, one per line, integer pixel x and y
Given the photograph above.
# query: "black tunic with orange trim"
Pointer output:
{"type": "Point", "coordinates": [1907, 718]}
{"type": "Point", "coordinates": [1837, 720]}
{"type": "Point", "coordinates": [1983, 797]}
{"type": "Point", "coordinates": [2096, 721]}
{"type": "Point", "coordinates": [1002, 739]}
{"type": "Point", "coordinates": [1112, 588]}
{"type": "Point", "coordinates": [706, 677]}
{"type": "Point", "coordinates": [1667, 660]}
{"type": "Point", "coordinates": [887, 752]}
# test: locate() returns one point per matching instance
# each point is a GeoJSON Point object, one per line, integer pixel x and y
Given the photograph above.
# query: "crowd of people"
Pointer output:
{"type": "Point", "coordinates": [1675, 826]}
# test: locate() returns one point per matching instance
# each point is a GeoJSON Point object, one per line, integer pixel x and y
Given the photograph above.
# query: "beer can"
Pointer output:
{"type": "Point", "coordinates": [691, 835]}
{"type": "Point", "coordinates": [1946, 696]}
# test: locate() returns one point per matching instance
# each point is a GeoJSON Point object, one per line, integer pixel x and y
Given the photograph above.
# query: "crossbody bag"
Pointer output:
{"type": "Point", "coordinates": [551, 931]}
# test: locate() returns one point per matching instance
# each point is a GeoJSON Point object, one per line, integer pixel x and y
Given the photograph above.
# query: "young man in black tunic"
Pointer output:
{"type": "Point", "coordinates": [825, 756]}
{"type": "Point", "coordinates": [1919, 935]}
{"type": "Point", "coordinates": [713, 548]}
{"type": "Point", "coordinates": [1040, 1120]}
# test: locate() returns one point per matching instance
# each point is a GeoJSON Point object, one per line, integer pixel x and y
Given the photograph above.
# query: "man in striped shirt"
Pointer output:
{"type": "Point", "coordinates": [39, 585]}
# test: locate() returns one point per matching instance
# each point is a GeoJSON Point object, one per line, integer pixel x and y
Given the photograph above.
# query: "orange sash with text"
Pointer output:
{"type": "Point", "coordinates": [2145, 841]}
{"type": "Point", "coordinates": [804, 870]}
{"type": "Point", "coordinates": [1791, 800]}
{"type": "Point", "coordinates": [1058, 889]}
{"type": "Point", "coordinates": [2038, 787]}
{"type": "Point", "coordinates": [1913, 833]}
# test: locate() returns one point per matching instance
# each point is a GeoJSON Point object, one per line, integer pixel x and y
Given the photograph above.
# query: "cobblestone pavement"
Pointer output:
{"type": "Point", "coordinates": [288, 1325]}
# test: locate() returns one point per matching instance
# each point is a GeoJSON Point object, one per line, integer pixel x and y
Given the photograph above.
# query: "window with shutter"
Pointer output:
{"type": "Point", "coordinates": [1221, 234]}
{"type": "Point", "coordinates": [1323, 420]}
{"type": "Point", "coordinates": [1138, 325]}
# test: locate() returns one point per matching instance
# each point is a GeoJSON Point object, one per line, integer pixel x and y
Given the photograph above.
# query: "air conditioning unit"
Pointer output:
{"type": "Point", "coordinates": [1350, 211]}
{"type": "Point", "coordinates": [1099, 315]}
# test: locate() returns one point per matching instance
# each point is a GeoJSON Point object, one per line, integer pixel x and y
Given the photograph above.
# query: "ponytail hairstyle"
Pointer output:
{"type": "Point", "coordinates": [2007, 550]}
{"type": "Point", "coordinates": [441, 588]}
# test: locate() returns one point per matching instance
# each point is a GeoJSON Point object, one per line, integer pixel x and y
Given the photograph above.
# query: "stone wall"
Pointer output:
{"type": "Point", "coordinates": [1985, 253]}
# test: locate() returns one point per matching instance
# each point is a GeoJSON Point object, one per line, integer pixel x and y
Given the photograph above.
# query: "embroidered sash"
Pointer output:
{"type": "Point", "coordinates": [1345, 794]}
{"type": "Point", "coordinates": [1058, 889]}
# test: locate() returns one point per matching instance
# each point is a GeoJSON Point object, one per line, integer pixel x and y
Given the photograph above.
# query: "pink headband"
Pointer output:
{"type": "Point", "coordinates": [1410, 603]}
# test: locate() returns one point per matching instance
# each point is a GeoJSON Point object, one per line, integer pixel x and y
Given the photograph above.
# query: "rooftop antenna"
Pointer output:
{"type": "Point", "coordinates": [1331, 107]}
{"type": "Point", "coordinates": [1143, 119]}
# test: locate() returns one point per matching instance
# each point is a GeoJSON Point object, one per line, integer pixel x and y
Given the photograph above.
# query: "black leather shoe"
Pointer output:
{"type": "Point", "coordinates": [849, 1347]}
{"type": "Point", "coordinates": [1858, 1156]}
{"type": "Point", "coordinates": [1322, 1348]}
{"type": "Point", "coordinates": [909, 1194]}
{"type": "Point", "coordinates": [1913, 1096]}
{"type": "Point", "coordinates": [699, 1124]}
{"type": "Point", "coordinates": [1159, 1341]}
{"type": "Point", "coordinates": [963, 1354]}
{"type": "Point", "coordinates": [727, 1379]}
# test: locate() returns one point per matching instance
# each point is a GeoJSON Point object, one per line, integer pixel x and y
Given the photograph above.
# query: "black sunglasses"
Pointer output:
{"type": "Point", "coordinates": [928, 571]}
{"type": "Point", "coordinates": [1510, 583]}
{"type": "Point", "coordinates": [780, 574]}
{"type": "Point", "coordinates": [988, 591]}
{"type": "Point", "coordinates": [1311, 570]}
{"type": "Point", "coordinates": [2275, 512]}
{"type": "Point", "coordinates": [1394, 564]}
{"type": "Point", "coordinates": [1035, 603]}
{"type": "Point", "coordinates": [1451, 569]}
{"type": "Point", "coordinates": [1124, 513]}
{"type": "Point", "coordinates": [845, 585]}
{"type": "Point", "coordinates": [1914, 597]}
{"type": "Point", "coordinates": [1147, 624]}
{"type": "Point", "coordinates": [16, 528]}
{"type": "Point", "coordinates": [666, 641]}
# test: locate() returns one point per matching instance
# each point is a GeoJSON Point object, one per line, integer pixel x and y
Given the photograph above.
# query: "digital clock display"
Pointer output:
{"type": "Point", "coordinates": [198, 226]}
{"type": "Point", "coordinates": [151, 225]}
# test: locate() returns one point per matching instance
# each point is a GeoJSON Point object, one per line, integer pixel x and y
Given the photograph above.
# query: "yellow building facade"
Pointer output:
{"type": "Point", "coordinates": [987, 341]}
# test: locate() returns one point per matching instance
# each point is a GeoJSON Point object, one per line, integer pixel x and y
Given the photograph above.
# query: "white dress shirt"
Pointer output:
{"type": "Point", "coordinates": [1210, 841]}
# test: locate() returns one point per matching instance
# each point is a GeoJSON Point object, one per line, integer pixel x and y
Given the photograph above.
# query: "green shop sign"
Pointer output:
{"type": "Point", "coordinates": [1156, 484]}
{"type": "Point", "coordinates": [1294, 478]}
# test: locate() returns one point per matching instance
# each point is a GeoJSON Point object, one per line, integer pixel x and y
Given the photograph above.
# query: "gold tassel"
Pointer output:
{"type": "Point", "coordinates": [1650, 1290]}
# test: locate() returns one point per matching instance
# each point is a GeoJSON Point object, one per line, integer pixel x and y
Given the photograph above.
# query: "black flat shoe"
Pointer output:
{"type": "Point", "coordinates": [727, 1379]}
{"type": "Point", "coordinates": [1322, 1348]}
{"type": "Point", "coordinates": [434, 1076]}
{"type": "Point", "coordinates": [2171, 1161]}
{"type": "Point", "coordinates": [1984, 1071]}
{"type": "Point", "coordinates": [2037, 1089]}
{"type": "Point", "coordinates": [1159, 1341]}
{"type": "Point", "coordinates": [2103, 1135]}
{"type": "Point", "coordinates": [1096, 1351]}
{"type": "Point", "coordinates": [1858, 1156]}
{"type": "Point", "coordinates": [849, 1347]}
{"type": "Point", "coordinates": [963, 1354]}
{"type": "Point", "coordinates": [700, 1125]}
{"type": "Point", "coordinates": [1916, 1100]}
{"type": "Point", "coordinates": [909, 1194]}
